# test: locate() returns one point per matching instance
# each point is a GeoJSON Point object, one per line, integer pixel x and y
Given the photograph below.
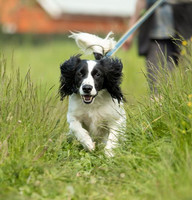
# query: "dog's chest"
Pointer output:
{"type": "Point", "coordinates": [95, 117]}
{"type": "Point", "coordinates": [95, 123]}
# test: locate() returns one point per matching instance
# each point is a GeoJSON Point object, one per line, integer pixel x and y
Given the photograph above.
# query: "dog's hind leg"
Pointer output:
{"type": "Point", "coordinates": [111, 143]}
{"type": "Point", "coordinates": [116, 130]}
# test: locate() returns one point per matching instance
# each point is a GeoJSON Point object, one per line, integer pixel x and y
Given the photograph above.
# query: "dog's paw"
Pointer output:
{"type": "Point", "coordinates": [89, 145]}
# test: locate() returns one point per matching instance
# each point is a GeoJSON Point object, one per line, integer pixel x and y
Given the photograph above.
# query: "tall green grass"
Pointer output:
{"type": "Point", "coordinates": [43, 59]}
{"type": "Point", "coordinates": [153, 161]}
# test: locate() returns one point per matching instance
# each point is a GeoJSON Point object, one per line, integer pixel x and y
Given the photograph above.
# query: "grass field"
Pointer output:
{"type": "Point", "coordinates": [36, 160]}
{"type": "Point", "coordinates": [44, 60]}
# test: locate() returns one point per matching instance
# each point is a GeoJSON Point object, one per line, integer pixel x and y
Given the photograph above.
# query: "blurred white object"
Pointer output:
{"type": "Point", "coordinates": [118, 8]}
{"type": "Point", "coordinates": [9, 28]}
{"type": "Point", "coordinates": [90, 43]}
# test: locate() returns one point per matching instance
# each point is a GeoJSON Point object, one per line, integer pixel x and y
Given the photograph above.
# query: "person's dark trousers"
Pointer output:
{"type": "Point", "coordinates": [160, 59]}
{"type": "Point", "coordinates": [182, 14]}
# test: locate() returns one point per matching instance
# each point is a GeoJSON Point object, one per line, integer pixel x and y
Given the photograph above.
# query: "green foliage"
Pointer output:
{"type": "Point", "coordinates": [37, 161]}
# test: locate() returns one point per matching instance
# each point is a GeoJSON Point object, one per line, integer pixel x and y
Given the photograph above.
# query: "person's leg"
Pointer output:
{"type": "Point", "coordinates": [159, 61]}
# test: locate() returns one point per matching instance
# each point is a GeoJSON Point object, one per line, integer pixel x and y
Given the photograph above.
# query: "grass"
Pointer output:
{"type": "Point", "coordinates": [37, 162]}
{"type": "Point", "coordinates": [44, 60]}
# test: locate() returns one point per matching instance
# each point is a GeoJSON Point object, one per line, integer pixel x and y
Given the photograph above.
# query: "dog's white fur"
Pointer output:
{"type": "Point", "coordinates": [89, 80]}
{"type": "Point", "coordinates": [90, 43]}
{"type": "Point", "coordinates": [104, 119]}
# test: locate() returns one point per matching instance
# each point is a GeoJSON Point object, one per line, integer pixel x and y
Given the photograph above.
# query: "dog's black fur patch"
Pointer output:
{"type": "Point", "coordinates": [107, 74]}
{"type": "Point", "coordinates": [113, 77]}
{"type": "Point", "coordinates": [68, 71]}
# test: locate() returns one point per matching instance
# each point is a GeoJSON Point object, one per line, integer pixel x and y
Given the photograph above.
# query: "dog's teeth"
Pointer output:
{"type": "Point", "coordinates": [87, 98]}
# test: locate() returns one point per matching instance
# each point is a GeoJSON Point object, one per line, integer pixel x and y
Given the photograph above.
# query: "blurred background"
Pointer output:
{"type": "Point", "coordinates": [34, 35]}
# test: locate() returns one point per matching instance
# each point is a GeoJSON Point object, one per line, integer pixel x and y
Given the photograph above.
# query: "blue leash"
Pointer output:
{"type": "Point", "coordinates": [135, 27]}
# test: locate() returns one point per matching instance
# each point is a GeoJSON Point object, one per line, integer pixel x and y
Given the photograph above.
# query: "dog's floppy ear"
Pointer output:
{"type": "Point", "coordinates": [113, 77]}
{"type": "Point", "coordinates": [68, 70]}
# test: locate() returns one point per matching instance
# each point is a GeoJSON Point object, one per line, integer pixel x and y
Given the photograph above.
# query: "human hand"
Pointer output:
{"type": "Point", "coordinates": [127, 45]}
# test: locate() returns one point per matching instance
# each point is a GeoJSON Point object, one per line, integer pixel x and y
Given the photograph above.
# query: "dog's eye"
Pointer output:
{"type": "Point", "coordinates": [97, 74]}
{"type": "Point", "coordinates": [80, 74]}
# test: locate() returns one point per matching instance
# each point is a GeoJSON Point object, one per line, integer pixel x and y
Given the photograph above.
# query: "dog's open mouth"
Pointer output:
{"type": "Point", "coordinates": [87, 98]}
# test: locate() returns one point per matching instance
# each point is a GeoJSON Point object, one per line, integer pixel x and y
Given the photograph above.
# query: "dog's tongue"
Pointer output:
{"type": "Point", "coordinates": [87, 97]}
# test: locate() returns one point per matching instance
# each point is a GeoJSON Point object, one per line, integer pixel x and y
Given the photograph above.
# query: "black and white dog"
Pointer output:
{"type": "Point", "coordinates": [95, 112]}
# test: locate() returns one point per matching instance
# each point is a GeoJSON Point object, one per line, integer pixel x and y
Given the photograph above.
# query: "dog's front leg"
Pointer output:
{"type": "Point", "coordinates": [81, 134]}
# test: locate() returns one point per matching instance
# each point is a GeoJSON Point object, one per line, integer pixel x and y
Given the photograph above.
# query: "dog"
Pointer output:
{"type": "Point", "coordinates": [95, 109]}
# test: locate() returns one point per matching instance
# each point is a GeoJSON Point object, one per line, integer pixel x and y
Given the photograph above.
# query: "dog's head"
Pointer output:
{"type": "Point", "coordinates": [88, 77]}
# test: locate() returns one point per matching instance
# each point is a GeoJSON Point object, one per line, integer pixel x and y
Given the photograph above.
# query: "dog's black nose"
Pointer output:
{"type": "Point", "coordinates": [87, 88]}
